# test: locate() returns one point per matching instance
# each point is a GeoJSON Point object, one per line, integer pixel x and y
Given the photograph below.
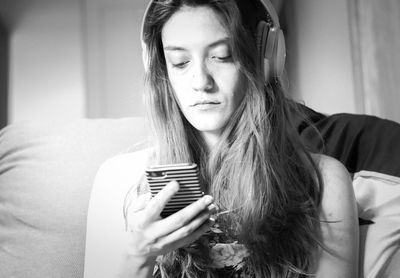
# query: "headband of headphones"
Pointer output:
{"type": "Point", "coordinates": [260, 17]}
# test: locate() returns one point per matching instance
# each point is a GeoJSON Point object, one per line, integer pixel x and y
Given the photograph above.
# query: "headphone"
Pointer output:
{"type": "Point", "coordinates": [262, 20]}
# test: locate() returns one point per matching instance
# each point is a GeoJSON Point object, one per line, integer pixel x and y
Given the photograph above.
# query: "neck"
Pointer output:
{"type": "Point", "coordinates": [211, 139]}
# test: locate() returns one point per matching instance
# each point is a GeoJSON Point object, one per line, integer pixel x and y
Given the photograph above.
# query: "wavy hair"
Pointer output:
{"type": "Point", "coordinates": [260, 170]}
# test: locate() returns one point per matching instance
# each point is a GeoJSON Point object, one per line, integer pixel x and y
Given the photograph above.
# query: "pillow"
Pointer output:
{"type": "Point", "coordinates": [46, 174]}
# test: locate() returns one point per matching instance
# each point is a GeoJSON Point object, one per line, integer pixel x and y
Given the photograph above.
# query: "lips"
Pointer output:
{"type": "Point", "coordinates": [206, 102]}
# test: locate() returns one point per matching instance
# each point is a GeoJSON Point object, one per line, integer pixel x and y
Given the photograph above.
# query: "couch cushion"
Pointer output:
{"type": "Point", "coordinates": [46, 173]}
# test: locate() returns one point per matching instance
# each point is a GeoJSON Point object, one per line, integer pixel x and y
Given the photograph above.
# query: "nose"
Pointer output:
{"type": "Point", "coordinates": [202, 79]}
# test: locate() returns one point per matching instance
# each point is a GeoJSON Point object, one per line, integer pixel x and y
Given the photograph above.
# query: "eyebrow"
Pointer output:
{"type": "Point", "coordinates": [211, 45]}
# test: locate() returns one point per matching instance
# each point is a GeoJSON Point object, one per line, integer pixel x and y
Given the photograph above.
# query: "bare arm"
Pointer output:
{"type": "Point", "coordinates": [116, 247]}
{"type": "Point", "coordinates": [339, 223]}
{"type": "Point", "coordinates": [106, 238]}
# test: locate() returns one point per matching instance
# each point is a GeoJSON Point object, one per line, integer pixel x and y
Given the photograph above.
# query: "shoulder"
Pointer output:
{"type": "Point", "coordinates": [337, 184]}
{"type": "Point", "coordinates": [105, 227]}
{"type": "Point", "coordinates": [115, 178]}
{"type": "Point", "coordinates": [330, 167]}
{"type": "Point", "coordinates": [121, 172]}
{"type": "Point", "coordinates": [338, 200]}
{"type": "Point", "coordinates": [339, 220]}
{"type": "Point", "coordinates": [120, 167]}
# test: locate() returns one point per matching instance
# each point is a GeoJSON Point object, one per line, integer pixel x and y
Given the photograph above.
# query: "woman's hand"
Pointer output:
{"type": "Point", "coordinates": [150, 235]}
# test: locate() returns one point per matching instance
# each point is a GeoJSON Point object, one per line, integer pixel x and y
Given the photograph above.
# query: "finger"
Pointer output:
{"type": "Point", "coordinates": [134, 208]}
{"type": "Point", "coordinates": [184, 216]}
{"type": "Point", "coordinates": [136, 218]}
{"type": "Point", "coordinates": [175, 241]}
{"type": "Point", "coordinates": [157, 204]}
{"type": "Point", "coordinates": [198, 233]}
{"type": "Point", "coordinates": [213, 209]}
{"type": "Point", "coordinates": [188, 229]}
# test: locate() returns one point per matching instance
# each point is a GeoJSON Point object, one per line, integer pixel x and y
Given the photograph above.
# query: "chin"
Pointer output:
{"type": "Point", "coordinates": [210, 127]}
{"type": "Point", "coordinates": [208, 123]}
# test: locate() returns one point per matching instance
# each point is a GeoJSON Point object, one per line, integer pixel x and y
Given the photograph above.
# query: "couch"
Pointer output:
{"type": "Point", "coordinates": [46, 173]}
{"type": "Point", "coordinates": [47, 170]}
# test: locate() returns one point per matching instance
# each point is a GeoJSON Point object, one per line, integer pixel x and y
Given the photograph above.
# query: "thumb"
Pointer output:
{"type": "Point", "coordinates": [140, 202]}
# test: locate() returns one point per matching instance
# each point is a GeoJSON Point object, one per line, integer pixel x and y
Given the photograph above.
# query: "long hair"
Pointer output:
{"type": "Point", "coordinates": [260, 171]}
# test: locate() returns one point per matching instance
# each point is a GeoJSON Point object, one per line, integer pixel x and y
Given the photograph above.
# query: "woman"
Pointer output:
{"type": "Point", "coordinates": [287, 212]}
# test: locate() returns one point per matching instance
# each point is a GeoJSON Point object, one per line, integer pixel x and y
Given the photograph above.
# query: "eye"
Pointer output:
{"type": "Point", "coordinates": [221, 53]}
{"type": "Point", "coordinates": [222, 58]}
{"type": "Point", "coordinates": [177, 59]}
{"type": "Point", "coordinates": [180, 65]}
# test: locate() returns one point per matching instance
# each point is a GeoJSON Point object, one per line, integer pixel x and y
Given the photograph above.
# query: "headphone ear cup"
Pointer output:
{"type": "Point", "coordinates": [271, 50]}
{"type": "Point", "coordinates": [261, 43]}
{"type": "Point", "coordinates": [279, 54]}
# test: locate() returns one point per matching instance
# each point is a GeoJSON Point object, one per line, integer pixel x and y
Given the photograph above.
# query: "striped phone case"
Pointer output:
{"type": "Point", "coordinates": [186, 174]}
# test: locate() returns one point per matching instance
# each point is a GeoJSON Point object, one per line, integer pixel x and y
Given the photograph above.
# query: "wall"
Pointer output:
{"type": "Point", "coordinates": [82, 58]}
{"type": "Point", "coordinates": [319, 55]}
{"type": "Point", "coordinates": [376, 29]}
{"type": "Point", "coordinates": [46, 76]}
{"type": "Point", "coordinates": [115, 75]}
{"type": "Point", "coordinates": [3, 74]}
{"type": "Point", "coordinates": [75, 58]}
{"type": "Point", "coordinates": [320, 63]}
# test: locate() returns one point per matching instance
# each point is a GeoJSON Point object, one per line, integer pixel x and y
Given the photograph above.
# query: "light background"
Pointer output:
{"type": "Point", "coordinates": [82, 58]}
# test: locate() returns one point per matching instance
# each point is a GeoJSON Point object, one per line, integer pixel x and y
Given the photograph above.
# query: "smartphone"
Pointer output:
{"type": "Point", "coordinates": [186, 174]}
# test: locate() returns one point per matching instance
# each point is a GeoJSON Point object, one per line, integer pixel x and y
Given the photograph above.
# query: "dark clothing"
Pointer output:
{"type": "Point", "coordinates": [360, 142]}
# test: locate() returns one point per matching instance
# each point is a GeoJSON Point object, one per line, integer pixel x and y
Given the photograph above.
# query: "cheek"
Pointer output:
{"type": "Point", "coordinates": [179, 86]}
{"type": "Point", "coordinates": [240, 91]}
{"type": "Point", "coordinates": [180, 91]}
{"type": "Point", "coordinates": [234, 87]}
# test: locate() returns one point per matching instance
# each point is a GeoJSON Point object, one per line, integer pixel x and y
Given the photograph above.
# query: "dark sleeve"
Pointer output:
{"type": "Point", "coordinates": [360, 142]}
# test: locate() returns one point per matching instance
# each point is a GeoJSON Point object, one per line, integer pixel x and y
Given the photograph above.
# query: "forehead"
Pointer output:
{"type": "Point", "coordinates": [193, 26]}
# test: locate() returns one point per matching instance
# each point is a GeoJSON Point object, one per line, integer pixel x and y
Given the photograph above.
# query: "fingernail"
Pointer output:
{"type": "Point", "coordinates": [207, 199]}
{"type": "Point", "coordinates": [212, 208]}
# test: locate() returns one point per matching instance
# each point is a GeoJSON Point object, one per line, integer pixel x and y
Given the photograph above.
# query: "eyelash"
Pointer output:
{"type": "Point", "coordinates": [180, 65]}
{"type": "Point", "coordinates": [223, 59]}
{"type": "Point", "coordinates": [220, 59]}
